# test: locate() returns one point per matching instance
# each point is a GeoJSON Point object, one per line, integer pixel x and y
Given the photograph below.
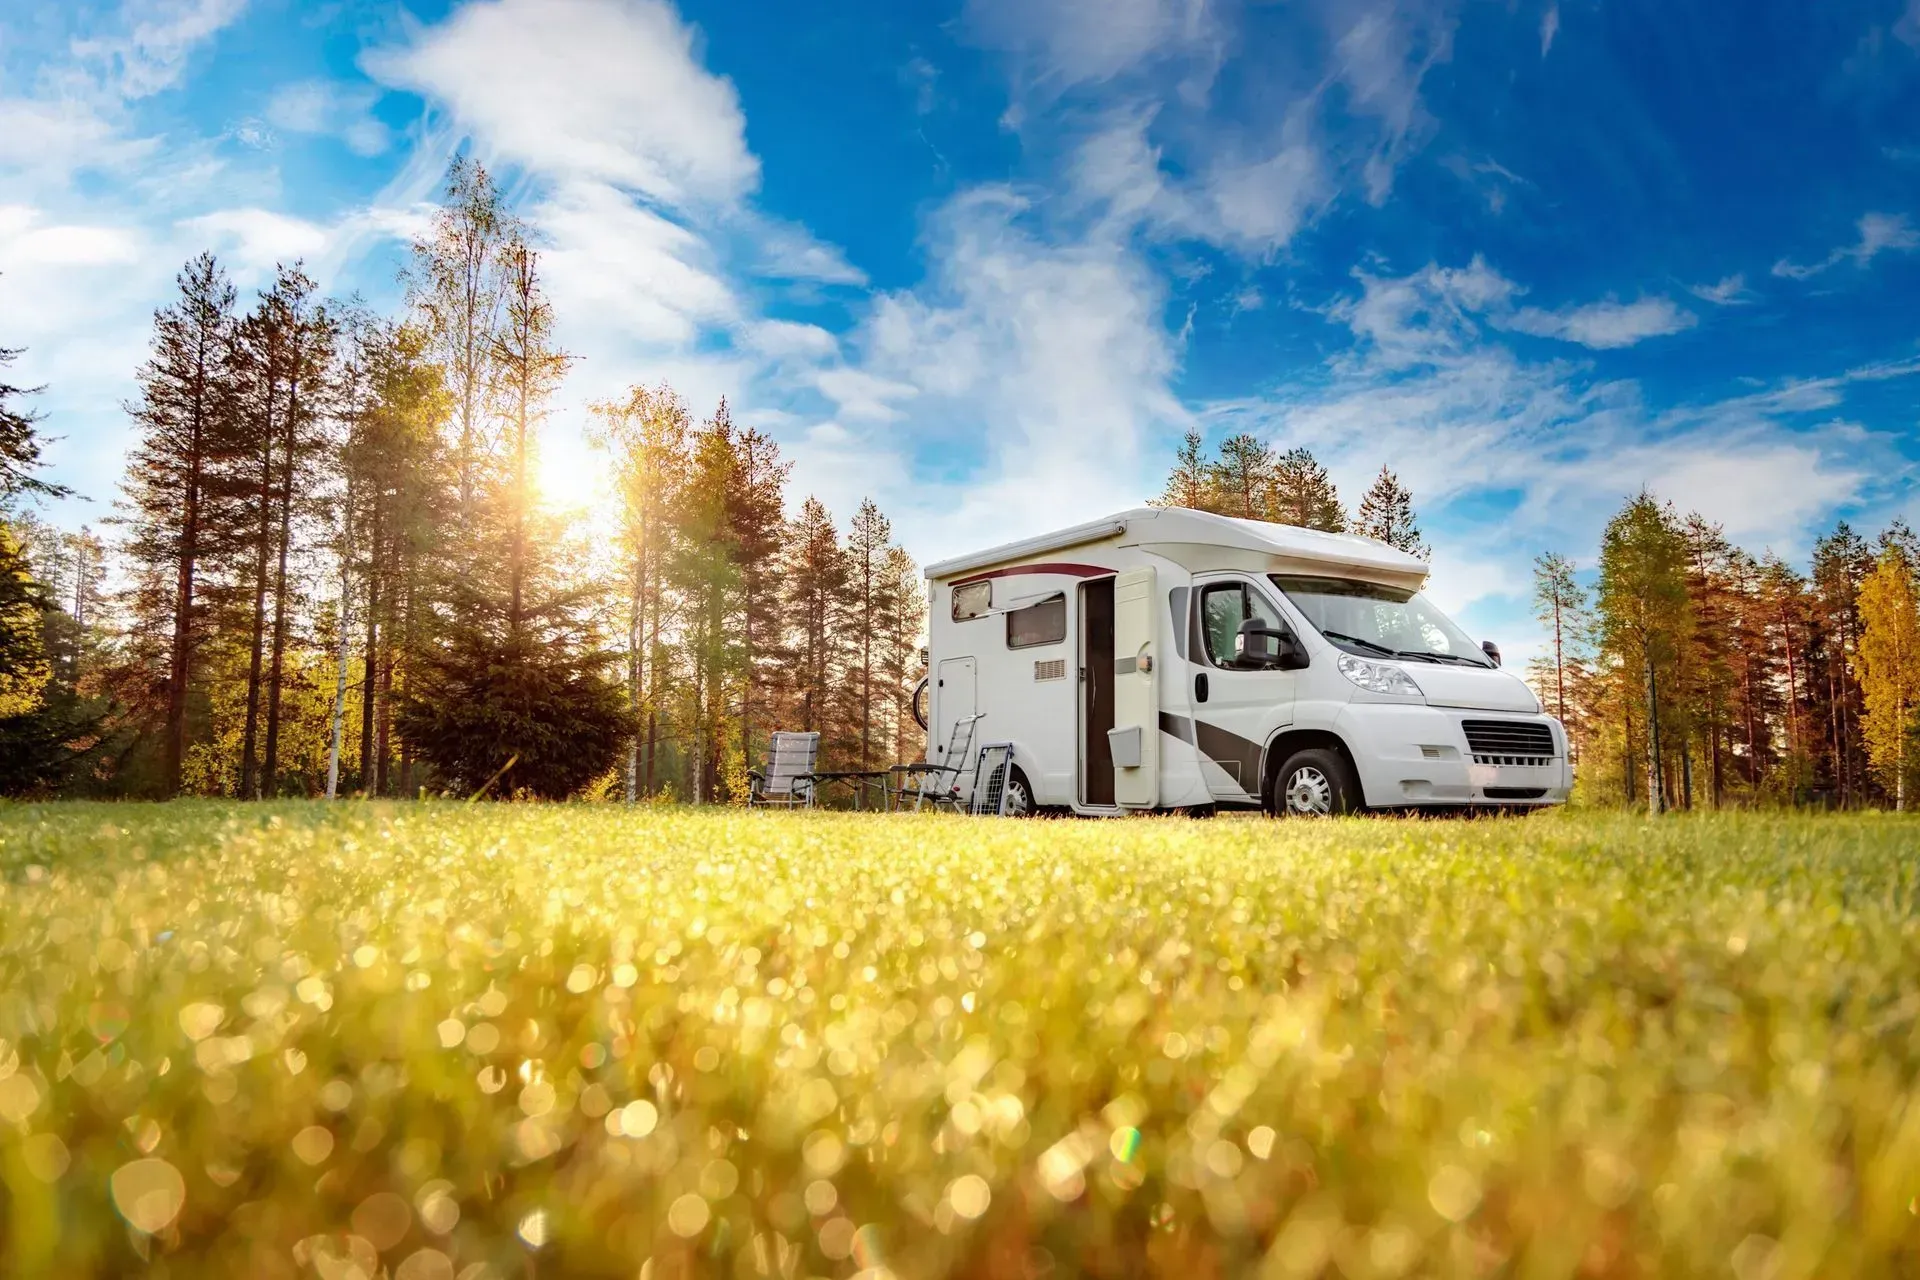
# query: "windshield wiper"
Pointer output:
{"type": "Point", "coordinates": [1380, 649]}
{"type": "Point", "coordinates": [1442, 657]}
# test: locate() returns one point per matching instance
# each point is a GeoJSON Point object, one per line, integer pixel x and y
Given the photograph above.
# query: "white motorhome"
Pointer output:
{"type": "Point", "coordinates": [1171, 659]}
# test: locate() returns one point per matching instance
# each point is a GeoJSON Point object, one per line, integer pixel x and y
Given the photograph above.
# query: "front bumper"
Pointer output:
{"type": "Point", "coordinates": [1412, 755]}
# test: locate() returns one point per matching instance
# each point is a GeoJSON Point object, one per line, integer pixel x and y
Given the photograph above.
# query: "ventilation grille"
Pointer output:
{"type": "Point", "coordinates": [1509, 742]}
{"type": "Point", "coordinates": [1052, 669]}
{"type": "Point", "coordinates": [1515, 793]}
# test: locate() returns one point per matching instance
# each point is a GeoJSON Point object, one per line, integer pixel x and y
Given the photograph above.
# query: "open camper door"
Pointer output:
{"type": "Point", "coordinates": [1136, 698]}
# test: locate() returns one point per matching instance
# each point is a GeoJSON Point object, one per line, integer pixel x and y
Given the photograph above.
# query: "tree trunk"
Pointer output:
{"type": "Point", "coordinates": [635, 629]}
{"type": "Point", "coordinates": [249, 765]}
{"type": "Point", "coordinates": [370, 664]}
{"type": "Point", "coordinates": [271, 770]}
{"type": "Point", "coordinates": [1656, 788]}
{"type": "Point", "coordinates": [179, 669]}
{"type": "Point", "coordinates": [340, 662]}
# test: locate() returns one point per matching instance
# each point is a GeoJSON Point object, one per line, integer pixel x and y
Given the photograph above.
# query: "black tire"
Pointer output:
{"type": "Point", "coordinates": [918, 703]}
{"type": "Point", "coordinates": [1019, 793]}
{"type": "Point", "coordinates": [1314, 782]}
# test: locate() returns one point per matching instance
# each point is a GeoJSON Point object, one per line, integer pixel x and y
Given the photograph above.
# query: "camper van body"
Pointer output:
{"type": "Point", "coordinates": [1099, 653]}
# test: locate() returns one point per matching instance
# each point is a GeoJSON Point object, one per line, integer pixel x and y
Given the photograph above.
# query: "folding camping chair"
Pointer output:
{"type": "Point", "coordinates": [938, 784]}
{"type": "Point", "coordinates": [788, 782]}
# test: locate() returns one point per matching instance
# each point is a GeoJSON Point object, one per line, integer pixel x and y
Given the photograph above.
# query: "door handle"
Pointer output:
{"type": "Point", "coordinates": [1200, 687]}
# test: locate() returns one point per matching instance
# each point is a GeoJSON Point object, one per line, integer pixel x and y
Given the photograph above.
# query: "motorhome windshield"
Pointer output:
{"type": "Point", "coordinates": [1375, 621]}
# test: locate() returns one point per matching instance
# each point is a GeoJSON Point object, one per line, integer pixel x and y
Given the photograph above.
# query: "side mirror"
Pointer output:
{"type": "Point", "coordinates": [1492, 650]}
{"type": "Point", "coordinates": [1260, 646]}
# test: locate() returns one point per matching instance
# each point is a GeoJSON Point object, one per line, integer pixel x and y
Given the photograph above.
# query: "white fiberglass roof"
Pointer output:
{"type": "Point", "coordinates": [1156, 527]}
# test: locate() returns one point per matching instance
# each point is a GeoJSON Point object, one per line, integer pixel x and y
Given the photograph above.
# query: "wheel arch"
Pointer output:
{"type": "Point", "coordinates": [1288, 741]}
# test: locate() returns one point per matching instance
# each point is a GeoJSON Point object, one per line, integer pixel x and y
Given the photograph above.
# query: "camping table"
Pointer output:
{"type": "Point", "coordinates": [859, 780]}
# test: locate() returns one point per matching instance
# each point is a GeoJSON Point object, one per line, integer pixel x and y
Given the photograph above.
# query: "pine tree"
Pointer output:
{"type": "Point", "coordinates": [902, 629]}
{"type": "Point", "coordinates": [869, 585]}
{"type": "Point", "coordinates": [646, 434]}
{"type": "Point", "coordinates": [1841, 563]}
{"type": "Point", "coordinates": [705, 575]}
{"type": "Point", "coordinates": [176, 516]}
{"type": "Point", "coordinates": [396, 475]}
{"type": "Point", "coordinates": [1559, 602]}
{"type": "Point", "coordinates": [1386, 513]}
{"type": "Point", "coordinates": [1302, 494]}
{"type": "Point", "coordinates": [24, 669]}
{"type": "Point", "coordinates": [1190, 485]}
{"type": "Point", "coordinates": [1240, 483]}
{"type": "Point", "coordinates": [816, 576]}
{"type": "Point", "coordinates": [756, 517]}
{"type": "Point", "coordinates": [1890, 667]}
{"type": "Point", "coordinates": [1644, 614]}
{"type": "Point", "coordinates": [515, 686]}
{"type": "Point", "coordinates": [20, 442]}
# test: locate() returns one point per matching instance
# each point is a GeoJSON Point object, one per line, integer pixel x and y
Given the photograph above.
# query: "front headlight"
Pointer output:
{"type": "Point", "coordinates": [1376, 677]}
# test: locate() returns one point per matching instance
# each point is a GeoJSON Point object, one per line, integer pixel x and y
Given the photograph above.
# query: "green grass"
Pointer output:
{"type": "Point", "coordinates": [515, 1041]}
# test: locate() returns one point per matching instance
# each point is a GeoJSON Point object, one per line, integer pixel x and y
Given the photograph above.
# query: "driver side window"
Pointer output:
{"type": "Point", "coordinates": [1224, 606]}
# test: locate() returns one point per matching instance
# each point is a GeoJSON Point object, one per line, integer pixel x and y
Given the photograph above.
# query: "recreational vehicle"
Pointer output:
{"type": "Point", "coordinates": [1172, 659]}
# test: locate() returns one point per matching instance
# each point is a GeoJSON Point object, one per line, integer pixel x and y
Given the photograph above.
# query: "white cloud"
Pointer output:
{"type": "Point", "coordinates": [327, 107]}
{"type": "Point", "coordinates": [1549, 28]}
{"type": "Point", "coordinates": [1262, 204]}
{"type": "Point", "coordinates": [1252, 205]}
{"type": "Point", "coordinates": [1732, 291]}
{"type": "Point", "coordinates": [788, 251]}
{"type": "Point", "coordinates": [1604, 325]}
{"type": "Point", "coordinates": [252, 241]}
{"type": "Point", "coordinates": [610, 91]}
{"type": "Point", "coordinates": [1041, 374]}
{"type": "Point", "coordinates": [1067, 43]}
{"type": "Point", "coordinates": [1381, 55]}
{"type": "Point", "coordinates": [1879, 233]}
{"type": "Point", "coordinates": [788, 340]}
{"type": "Point", "coordinates": [56, 137]}
{"type": "Point", "coordinates": [150, 53]}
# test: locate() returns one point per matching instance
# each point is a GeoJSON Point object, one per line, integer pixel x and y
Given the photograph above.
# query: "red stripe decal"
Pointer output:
{"type": "Point", "coordinates": [1019, 570]}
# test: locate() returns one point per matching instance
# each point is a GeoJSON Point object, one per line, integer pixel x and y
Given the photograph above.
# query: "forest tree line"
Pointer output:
{"type": "Point", "coordinates": [330, 568]}
{"type": "Point", "coordinates": [1689, 672]}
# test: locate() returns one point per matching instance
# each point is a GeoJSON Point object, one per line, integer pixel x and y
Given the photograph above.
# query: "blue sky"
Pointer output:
{"type": "Point", "coordinates": [986, 259]}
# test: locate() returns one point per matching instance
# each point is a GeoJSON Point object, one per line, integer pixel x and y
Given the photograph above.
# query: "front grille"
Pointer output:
{"type": "Point", "coordinates": [1509, 742]}
{"type": "Point", "coordinates": [1515, 793]}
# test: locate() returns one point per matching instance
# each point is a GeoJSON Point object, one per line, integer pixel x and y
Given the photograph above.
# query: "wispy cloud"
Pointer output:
{"type": "Point", "coordinates": [1879, 233]}
{"type": "Point", "coordinates": [1605, 325]}
{"type": "Point", "coordinates": [1549, 28]}
{"type": "Point", "coordinates": [148, 51]}
{"type": "Point", "coordinates": [607, 91]}
{"type": "Point", "coordinates": [329, 108]}
{"type": "Point", "coordinates": [1731, 291]}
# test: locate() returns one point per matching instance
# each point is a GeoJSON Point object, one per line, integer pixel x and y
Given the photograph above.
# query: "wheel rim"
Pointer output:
{"type": "Point", "coordinates": [1309, 793]}
{"type": "Point", "coordinates": [1019, 803]}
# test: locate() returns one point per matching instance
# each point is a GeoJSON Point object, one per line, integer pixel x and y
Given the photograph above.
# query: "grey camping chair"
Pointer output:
{"type": "Point", "coordinates": [788, 781]}
{"type": "Point", "coordinates": [938, 783]}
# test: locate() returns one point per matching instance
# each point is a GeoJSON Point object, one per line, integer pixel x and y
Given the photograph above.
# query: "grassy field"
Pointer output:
{"type": "Point", "coordinates": [524, 1041]}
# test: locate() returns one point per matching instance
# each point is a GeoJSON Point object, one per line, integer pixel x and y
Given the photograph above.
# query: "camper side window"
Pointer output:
{"type": "Point", "coordinates": [972, 600]}
{"type": "Point", "coordinates": [1223, 607]}
{"type": "Point", "coordinates": [1038, 624]}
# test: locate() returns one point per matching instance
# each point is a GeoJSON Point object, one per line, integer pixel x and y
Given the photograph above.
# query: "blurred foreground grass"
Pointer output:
{"type": "Point", "coordinates": [524, 1041]}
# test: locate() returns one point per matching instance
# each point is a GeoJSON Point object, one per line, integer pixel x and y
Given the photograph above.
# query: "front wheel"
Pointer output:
{"type": "Point", "coordinates": [1017, 799]}
{"type": "Point", "coordinates": [1314, 783]}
